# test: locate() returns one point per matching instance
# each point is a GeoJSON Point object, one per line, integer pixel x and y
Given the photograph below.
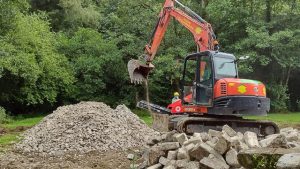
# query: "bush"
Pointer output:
{"type": "Point", "coordinates": [4, 118]}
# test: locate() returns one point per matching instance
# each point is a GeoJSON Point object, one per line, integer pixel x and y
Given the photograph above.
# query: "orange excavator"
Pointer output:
{"type": "Point", "coordinates": [211, 93]}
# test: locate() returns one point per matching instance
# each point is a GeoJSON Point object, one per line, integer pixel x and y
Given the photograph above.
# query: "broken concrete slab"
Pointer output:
{"type": "Point", "coordinates": [289, 161]}
{"type": "Point", "coordinates": [214, 133]}
{"type": "Point", "coordinates": [168, 146]}
{"type": "Point", "coordinates": [274, 141]}
{"type": "Point", "coordinates": [152, 155]}
{"type": "Point", "coordinates": [155, 166]}
{"type": "Point", "coordinates": [192, 165]}
{"type": "Point", "coordinates": [251, 139]}
{"type": "Point", "coordinates": [232, 159]}
{"type": "Point", "coordinates": [203, 150]}
{"type": "Point", "coordinates": [182, 154]}
{"type": "Point", "coordinates": [172, 155]}
{"type": "Point", "coordinates": [181, 163]}
{"type": "Point", "coordinates": [212, 162]}
{"type": "Point", "coordinates": [229, 131]}
{"type": "Point", "coordinates": [181, 138]}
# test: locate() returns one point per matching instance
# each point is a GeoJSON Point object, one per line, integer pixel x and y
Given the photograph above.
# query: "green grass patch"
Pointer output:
{"type": "Point", "coordinates": [144, 115]}
{"type": "Point", "coordinates": [288, 118]}
{"type": "Point", "coordinates": [7, 139]}
{"type": "Point", "coordinates": [26, 122]}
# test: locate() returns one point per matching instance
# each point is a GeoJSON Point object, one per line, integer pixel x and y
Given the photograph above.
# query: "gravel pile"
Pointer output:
{"type": "Point", "coordinates": [85, 127]}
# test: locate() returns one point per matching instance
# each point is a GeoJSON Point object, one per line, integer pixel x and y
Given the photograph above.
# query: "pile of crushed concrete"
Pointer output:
{"type": "Point", "coordinates": [222, 150]}
{"type": "Point", "coordinates": [85, 127]}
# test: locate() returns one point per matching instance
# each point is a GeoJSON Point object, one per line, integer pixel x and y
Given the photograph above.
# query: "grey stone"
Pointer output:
{"type": "Point", "coordinates": [214, 133]}
{"type": "Point", "coordinates": [289, 161]}
{"type": "Point", "coordinates": [182, 154]}
{"type": "Point", "coordinates": [155, 166]}
{"type": "Point", "coordinates": [229, 131]}
{"type": "Point", "coordinates": [164, 161]}
{"type": "Point", "coordinates": [152, 155]}
{"type": "Point", "coordinates": [182, 163]}
{"type": "Point", "coordinates": [203, 150]}
{"type": "Point", "coordinates": [232, 159]}
{"type": "Point", "coordinates": [169, 146]}
{"type": "Point", "coordinates": [181, 138]}
{"type": "Point", "coordinates": [205, 137]}
{"type": "Point", "coordinates": [221, 145]}
{"type": "Point", "coordinates": [193, 140]}
{"type": "Point", "coordinates": [275, 141]}
{"type": "Point", "coordinates": [172, 155]}
{"type": "Point", "coordinates": [251, 139]}
{"type": "Point", "coordinates": [197, 135]}
{"type": "Point", "coordinates": [213, 163]}
{"type": "Point", "coordinates": [130, 156]}
{"type": "Point", "coordinates": [169, 167]}
{"type": "Point", "coordinates": [192, 165]}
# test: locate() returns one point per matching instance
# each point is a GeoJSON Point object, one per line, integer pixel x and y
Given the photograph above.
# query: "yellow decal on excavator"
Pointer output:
{"type": "Point", "coordinates": [242, 89]}
{"type": "Point", "coordinates": [198, 30]}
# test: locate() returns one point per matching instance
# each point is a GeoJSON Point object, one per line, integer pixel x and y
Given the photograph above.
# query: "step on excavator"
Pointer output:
{"type": "Point", "coordinates": [211, 93]}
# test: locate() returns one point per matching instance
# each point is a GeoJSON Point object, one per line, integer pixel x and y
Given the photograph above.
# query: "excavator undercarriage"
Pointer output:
{"type": "Point", "coordinates": [163, 120]}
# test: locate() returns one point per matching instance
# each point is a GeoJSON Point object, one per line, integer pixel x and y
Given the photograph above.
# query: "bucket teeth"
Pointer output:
{"type": "Point", "coordinates": [138, 72]}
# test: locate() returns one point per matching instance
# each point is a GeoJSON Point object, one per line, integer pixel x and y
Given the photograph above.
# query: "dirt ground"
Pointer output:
{"type": "Point", "coordinates": [93, 160]}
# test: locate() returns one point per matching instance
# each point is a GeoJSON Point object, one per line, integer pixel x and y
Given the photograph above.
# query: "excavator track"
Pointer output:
{"type": "Point", "coordinates": [198, 124]}
{"type": "Point", "coordinates": [163, 120]}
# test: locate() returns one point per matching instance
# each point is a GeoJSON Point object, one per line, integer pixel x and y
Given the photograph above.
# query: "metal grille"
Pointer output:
{"type": "Point", "coordinates": [223, 88]}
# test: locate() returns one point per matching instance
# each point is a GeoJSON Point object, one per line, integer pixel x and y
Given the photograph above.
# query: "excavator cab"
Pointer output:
{"type": "Point", "coordinates": [197, 80]}
{"type": "Point", "coordinates": [201, 72]}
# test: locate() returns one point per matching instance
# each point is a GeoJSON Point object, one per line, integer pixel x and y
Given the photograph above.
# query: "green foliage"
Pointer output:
{"type": "Point", "coordinates": [265, 161]}
{"type": "Point", "coordinates": [32, 71]}
{"type": "Point", "coordinates": [99, 69]}
{"type": "Point", "coordinates": [4, 118]}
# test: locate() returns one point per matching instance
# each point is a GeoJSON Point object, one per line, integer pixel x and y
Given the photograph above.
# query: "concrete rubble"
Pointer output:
{"type": "Point", "coordinates": [221, 149]}
{"type": "Point", "coordinates": [85, 127]}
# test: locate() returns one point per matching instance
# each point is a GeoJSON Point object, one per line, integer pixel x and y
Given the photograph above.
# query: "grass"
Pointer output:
{"type": "Point", "coordinates": [144, 115]}
{"type": "Point", "coordinates": [291, 119]}
{"type": "Point", "coordinates": [8, 139]}
{"type": "Point", "coordinates": [25, 122]}
{"type": "Point", "coordinates": [288, 119]}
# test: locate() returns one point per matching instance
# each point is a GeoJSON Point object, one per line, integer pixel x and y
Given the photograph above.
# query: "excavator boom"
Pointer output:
{"type": "Point", "coordinates": [202, 31]}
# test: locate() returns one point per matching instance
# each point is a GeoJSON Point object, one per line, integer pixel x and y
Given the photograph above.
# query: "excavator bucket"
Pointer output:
{"type": "Point", "coordinates": [138, 71]}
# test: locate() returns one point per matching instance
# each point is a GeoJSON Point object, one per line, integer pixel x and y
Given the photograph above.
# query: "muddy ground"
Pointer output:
{"type": "Point", "coordinates": [92, 160]}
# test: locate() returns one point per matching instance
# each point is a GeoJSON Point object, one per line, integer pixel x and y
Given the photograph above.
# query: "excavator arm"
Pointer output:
{"type": "Point", "coordinates": [204, 37]}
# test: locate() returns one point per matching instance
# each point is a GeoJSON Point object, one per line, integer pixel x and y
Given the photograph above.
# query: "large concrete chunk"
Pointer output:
{"type": "Point", "coordinates": [192, 165]}
{"type": "Point", "coordinates": [193, 140]}
{"type": "Point", "coordinates": [181, 163]}
{"type": "Point", "coordinates": [181, 138]}
{"type": "Point", "coordinates": [203, 150]}
{"type": "Point", "coordinates": [275, 141]}
{"type": "Point", "coordinates": [172, 155]}
{"type": "Point", "coordinates": [229, 131]}
{"type": "Point", "coordinates": [152, 155]}
{"type": "Point", "coordinates": [232, 159]}
{"type": "Point", "coordinates": [170, 167]}
{"type": "Point", "coordinates": [251, 139]}
{"type": "Point", "coordinates": [221, 145]}
{"type": "Point", "coordinates": [213, 163]}
{"type": "Point", "coordinates": [169, 146]}
{"type": "Point", "coordinates": [164, 161]}
{"type": "Point", "coordinates": [214, 133]}
{"type": "Point", "coordinates": [289, 161]}
{"type": "Point", "coordinates": [182, 154]}
{"type": "Point", "coordinates": [156, 166]}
